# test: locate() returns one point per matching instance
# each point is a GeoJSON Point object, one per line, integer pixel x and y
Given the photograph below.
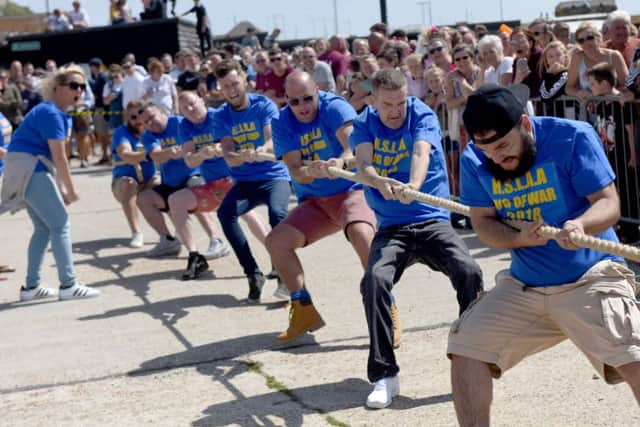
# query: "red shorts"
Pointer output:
{"type": "Point", "coordinates": [318, 217]}
{"type": "Point", "coordinates": [210, 195]}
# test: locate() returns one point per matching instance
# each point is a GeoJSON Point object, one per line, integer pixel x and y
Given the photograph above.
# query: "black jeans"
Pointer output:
{"type": "Point", "coordinates": [205, 41]}
{"type": "Point", "coordinates": [242, 198]}
{"type": "Point", "coordinates": [433, 243]}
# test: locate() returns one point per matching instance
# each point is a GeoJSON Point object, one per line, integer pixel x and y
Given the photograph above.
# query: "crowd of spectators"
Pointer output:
{"type": "Point", "coordinates": [442, 67]}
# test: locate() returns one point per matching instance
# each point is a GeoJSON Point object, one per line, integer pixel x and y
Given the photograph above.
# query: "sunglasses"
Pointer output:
{"type": "Point", "coordinates": [590, 38]}
{"type": "Point", "coordinates": [294, 102]}
{"type": "Point", "coordinates": [461, 58]}
{"type": "Point", "coordinates": [260, 61]}
{"type": "Point", "coordinates": [538, 33]}
{"type": "Point", "coordinates": [276, 59]}
{"type": "Point", "coordinates": [76, 86]}
{"type": "Point", "coordinates": [133, 117]}
{"type": "Point", "coordinates": [435, 49]}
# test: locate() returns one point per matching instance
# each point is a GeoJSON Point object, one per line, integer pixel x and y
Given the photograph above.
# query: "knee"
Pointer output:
{"type": "Point", "coordinates": [144, 199]}
{"type": "Point", "coordinates": [359, 231]}
{"type": "Point", "coordinates": [277, 241]}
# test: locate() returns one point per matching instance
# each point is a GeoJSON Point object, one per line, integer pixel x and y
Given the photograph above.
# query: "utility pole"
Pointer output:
{"type": "Point", "coordinates": [383, 11]}
{"type": "Point", "coordinates": [335, 16]}
{"type": "Point", "coordinates": [422, 4]}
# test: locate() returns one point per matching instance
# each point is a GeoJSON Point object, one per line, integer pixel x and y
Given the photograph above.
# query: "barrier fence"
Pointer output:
{"type": "Point", "coordinates": [617, 125]}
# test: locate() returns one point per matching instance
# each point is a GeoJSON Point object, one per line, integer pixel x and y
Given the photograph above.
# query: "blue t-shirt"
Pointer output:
{"type": "Point", "coordinates": [315, 141]}
{"type": "Point", "coordinates": [202, 136]}
{"type": "Point", "coordinates": [123, 135]}
{"type": "Point", "coordinates": [175, 171]}
{"type": "Point", "coordinates": [392, 150]}
{"type": "Point", "coordinates": [5, 136]}
{"type": "Point", "coordinates": [570, 164]}
{"type": "Point", "coordinates": [246, 127]}
{"type": "Point", "coordinates": [44, 122]}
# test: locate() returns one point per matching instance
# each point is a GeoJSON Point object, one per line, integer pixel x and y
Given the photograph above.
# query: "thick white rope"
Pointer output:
{"type": "Point", "coordinates": [578, 239]}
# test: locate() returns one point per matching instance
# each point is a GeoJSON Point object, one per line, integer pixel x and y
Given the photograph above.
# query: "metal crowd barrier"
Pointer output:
{"type": "Point", "coordinates": [617, 125]}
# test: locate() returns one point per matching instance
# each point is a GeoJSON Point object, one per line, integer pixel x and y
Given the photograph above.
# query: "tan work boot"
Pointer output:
{"type": "Point", "coordinates": [302, 319]}
{"type": "Point", "coordinates": [397, 326]}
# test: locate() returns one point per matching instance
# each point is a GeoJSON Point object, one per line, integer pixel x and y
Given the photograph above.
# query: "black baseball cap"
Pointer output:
{"type": "Point", "coordinates": [96, 62]}
{"type": "Point", "coordinates": [494, 107]}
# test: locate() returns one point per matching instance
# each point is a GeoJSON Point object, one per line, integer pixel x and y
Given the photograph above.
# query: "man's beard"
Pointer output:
{"type": "Point", "coordinates": [136, 130]}
{"type": "Point", "coordinates": [527, 159]}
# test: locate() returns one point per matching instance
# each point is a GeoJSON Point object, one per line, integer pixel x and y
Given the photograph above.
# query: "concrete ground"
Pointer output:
{"type": "Point", "coordinates": [154, 350]}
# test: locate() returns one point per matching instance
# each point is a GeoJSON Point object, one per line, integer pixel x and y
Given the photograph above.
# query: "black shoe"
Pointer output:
{"type": "Point", "coordinates": [196, 265]}
{"type": "Point", "coordinates": [273, 274]}
{"type": "Point", "coordinates": [256, 282]}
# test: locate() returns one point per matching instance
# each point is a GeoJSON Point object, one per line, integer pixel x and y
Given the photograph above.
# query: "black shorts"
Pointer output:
{"type": "Point", "coordinates": [165, 190]}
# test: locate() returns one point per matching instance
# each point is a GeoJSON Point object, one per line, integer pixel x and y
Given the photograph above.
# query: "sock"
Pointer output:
{"type": "Point", "coordinates": [193, 254]}
{"type": "Point", "coordinates": [170, 238]}
{"type": "Point", "coordinates": [302, 296]}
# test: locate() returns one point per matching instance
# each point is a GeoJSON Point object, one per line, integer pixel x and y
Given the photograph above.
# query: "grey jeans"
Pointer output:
{"type": "Point", "coordinates": [433, 243]}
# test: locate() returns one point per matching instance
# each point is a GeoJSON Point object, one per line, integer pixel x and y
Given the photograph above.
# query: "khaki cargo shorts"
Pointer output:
{"type": "Point", "coordinates": [598, 313]}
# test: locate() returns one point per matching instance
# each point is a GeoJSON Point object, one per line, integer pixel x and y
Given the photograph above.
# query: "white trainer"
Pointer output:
{"type": "Point", "coordinates": [37, 293]}
{"type": "Point", "coordinates": [137, 240]}
{"type": "Point", "coordinates": [217, 249]}
{"type": "Point", "coordinates": [78, 291]}
{"type": "Point", "coordinates": [384, 391]}
{"type": "Point", "coordinates": [282, 292]}
{"type": "Point", "coordinates": [165, 247]}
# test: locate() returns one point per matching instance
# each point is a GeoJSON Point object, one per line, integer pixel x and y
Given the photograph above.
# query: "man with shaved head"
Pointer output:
{"type": "Point", "coordinates": [311, 134]}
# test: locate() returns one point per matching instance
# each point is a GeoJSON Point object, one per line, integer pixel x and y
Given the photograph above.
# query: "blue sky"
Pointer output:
{"type": "Point", "coordinates": [316, 18]}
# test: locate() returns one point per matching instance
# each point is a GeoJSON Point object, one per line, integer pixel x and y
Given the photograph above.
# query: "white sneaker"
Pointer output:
{"type": "Point", "coordinates": [37, 293]}
{"type": "Point", "coordinates": [137, 240]}
{"type": "Point", "coordinates": [217, 249]}
{"type": "Point", "coordinates": [282, 292]}
{"type": "Point", "coordinates": [384, 391]}
{"type": "Point", "coordinates": [78, 291]}
{"type": "Point", "coordinates": [165, 247]}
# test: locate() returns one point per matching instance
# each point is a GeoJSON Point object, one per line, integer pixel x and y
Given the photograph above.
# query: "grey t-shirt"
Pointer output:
{"type": "Point", "coordinates": [322, 74]}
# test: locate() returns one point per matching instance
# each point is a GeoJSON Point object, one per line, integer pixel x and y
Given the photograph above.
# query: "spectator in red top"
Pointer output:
{"type": "Point", "coordinates": [619, 26]}
{"type": "Point", "coordinates": [280, 69]}
{"type": "Point", "coordinates": [337, 56]}
{"type": "Point", "coordinates": [262, 67]}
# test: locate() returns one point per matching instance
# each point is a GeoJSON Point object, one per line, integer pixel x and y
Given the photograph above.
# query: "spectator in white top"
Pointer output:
{"type": "Point", "coordinates": [494, 66]}
{"type": "Point", "coordinates": [78, 16]}
{"type": "Point", "coordinates": [132, 87]}
{"type": "Point", "coordinates": [58, 22]}
{"type": "Point", "coordinates": [321, 71]}
{"type": "Point", "coordinates": [178, 68]}
{"type": "Point", "coordinates": [160, 89]}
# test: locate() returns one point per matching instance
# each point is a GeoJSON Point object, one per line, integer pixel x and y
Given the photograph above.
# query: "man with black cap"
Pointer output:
{"type": "Point", "coordinates": [540, 170]}
{"type": "Point", "coordinates": [398, 148]}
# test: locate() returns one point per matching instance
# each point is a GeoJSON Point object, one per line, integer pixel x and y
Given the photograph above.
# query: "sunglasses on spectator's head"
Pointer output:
{"type": "Point", "coordinates": [294, 102]}
{"type": "Point", "coordinates": [590, 38]}
{"type": "Point", "coordinates": [76, 86]}
{"type": "Point", "coordinates": [436, 49]}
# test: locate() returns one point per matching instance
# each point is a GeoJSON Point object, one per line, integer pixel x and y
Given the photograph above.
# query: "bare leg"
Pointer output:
{"type": "Point", "coordinates": [150, 204]}
{"type": "Point", "coordinates": [281, 244]}
{"type": "Point", "coordinates": [257, 225]}
{"type": "Point", "coordinates": [180, 203]}
{"type": "Point", "coordinates": [631, 374]}
{"type": "Point", "coordinates": [129, 190]}
{"type": "Point", "coordinates": [105, 144]}
{"type": "Point", "coordinates": [206, 221]}
{"type": "Point", "coordinates": [361, 235]}
{"type": "Point", "coordinates": [472, 391]}
{"type": "Point", "coordinates": [83, 145]}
